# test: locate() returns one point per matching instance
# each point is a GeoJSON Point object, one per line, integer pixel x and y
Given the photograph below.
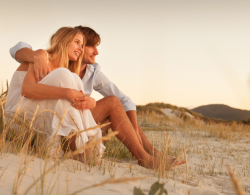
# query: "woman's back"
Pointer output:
{"type": "Point", "coordinates": [14, 92]}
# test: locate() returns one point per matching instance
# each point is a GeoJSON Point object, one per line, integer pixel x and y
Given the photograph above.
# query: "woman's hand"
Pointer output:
{"type": "Point", "coordinates": [84, 102]}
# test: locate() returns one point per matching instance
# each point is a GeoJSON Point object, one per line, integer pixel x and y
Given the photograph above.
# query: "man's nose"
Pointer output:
{"type": "Point", "coordinates": [96, 51]}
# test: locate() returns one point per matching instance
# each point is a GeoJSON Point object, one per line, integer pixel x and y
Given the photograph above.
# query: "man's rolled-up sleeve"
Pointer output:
{"type": "Point", "coordinates": [17, 47]}
{"type": "Point", "coordinates": [107, 88]}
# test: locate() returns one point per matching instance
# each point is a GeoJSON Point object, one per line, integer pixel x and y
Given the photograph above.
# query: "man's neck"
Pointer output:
{"type": "Point", "coordinates": [82, 70]}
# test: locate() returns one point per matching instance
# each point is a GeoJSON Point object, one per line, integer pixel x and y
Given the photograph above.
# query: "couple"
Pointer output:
{"type": "Point", "coordinates": [57, 88]}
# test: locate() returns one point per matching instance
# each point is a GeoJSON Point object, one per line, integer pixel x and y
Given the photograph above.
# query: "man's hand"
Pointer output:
{"type": "Point", "coordinates": [41, 67]}
{"type": "Point", "coordinates": [72, 94]}
{"type": "Point", "coordinates": [84, 102]}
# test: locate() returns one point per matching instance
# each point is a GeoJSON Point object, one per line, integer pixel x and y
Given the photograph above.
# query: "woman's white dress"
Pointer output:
{"type": "Point", "coordinates": [46, 121]}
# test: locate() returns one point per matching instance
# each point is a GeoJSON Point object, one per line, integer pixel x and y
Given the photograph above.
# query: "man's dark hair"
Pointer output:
{"type": "Point", "coordinates": [92, 38]}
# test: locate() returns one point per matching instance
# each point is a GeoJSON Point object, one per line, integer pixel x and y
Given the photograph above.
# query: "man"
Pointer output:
{"type": "Point", "coordinates": [115, 107]}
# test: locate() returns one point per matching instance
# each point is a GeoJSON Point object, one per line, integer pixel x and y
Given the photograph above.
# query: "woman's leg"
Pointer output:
{"type": "Point", "coordinates": [74, 120]}
{"type": "Point", "coordinates": [88, 157]}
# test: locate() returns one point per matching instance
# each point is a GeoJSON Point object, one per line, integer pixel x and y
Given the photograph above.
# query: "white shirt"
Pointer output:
{"type": "Point", "coordinates": [93, 79]}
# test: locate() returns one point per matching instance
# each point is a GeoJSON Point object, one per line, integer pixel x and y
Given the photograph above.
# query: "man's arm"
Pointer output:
{"type": "Point", "coordinates": [17, 47]}
{"type": "Point", "coordinates": [22, 52]}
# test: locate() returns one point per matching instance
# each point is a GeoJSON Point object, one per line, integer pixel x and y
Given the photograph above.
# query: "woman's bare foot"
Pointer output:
{"type": "Point", "coordinates": [88, 157]}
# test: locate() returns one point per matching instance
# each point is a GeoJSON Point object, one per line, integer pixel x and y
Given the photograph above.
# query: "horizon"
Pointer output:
{"type": "Point", "coordinates": [191, 108]}
{"type": "Point", "coordinates": [186, 54]}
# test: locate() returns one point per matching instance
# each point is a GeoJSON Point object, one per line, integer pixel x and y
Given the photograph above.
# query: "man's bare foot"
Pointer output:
{"type": "Point", "coordinates": [159, 155]}
{"type": "Point", "coordinates": [166, 164]}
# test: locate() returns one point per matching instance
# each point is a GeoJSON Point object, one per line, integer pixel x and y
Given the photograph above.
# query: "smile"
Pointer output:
{"type": "Point", "coordinates": [77, 53]}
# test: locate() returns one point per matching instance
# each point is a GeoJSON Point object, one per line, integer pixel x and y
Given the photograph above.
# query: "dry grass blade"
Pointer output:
{"type": "Point", "coordinates": [152, 143]}
{"type": "Point", "coordinates": [176, 160]}
{"type": "Point", "coordinates": [90, 145]}
{"type": "Point", "coordinates": [236, 182]}
{"type": "Point", "coordinates": [166, 140]}
{"type": "Point", "coordinates": [68, 155]}
{"type": "Point", "coordinates": [59, 126]}
{"type": "Point", "coordinates": [111, 181]}
{"type": "Point", "coordinates": [2, 102]}
{"type": "Point", "coordinates": [91, 128]}
{"type": "Point", "coordinates": [169, 143]}
{"type": "Point", "coordinates": [33, 118]}
{"type": "Point", "coordinates": [185, 155]}
{"type": "Point", "coordinates": [15, 115]}
{"type": "Point", "coordinates": [3, 117]}
{"type": "Point", "coordinates": [110, 135]}
{"type": "Point", "coordinates": [60, 123]}
{"type": "Point", "coordinates": [48, 110]}
{"type": "Point", "coordinates": [74, 121]}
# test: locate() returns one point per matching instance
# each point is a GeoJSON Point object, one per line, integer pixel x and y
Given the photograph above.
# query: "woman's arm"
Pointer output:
{"type": "Point", "coordinates": [33, 90]}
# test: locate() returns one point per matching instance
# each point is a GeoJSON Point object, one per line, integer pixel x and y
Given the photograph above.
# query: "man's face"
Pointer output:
{"type": "Point", "coordinates": [89, 54]}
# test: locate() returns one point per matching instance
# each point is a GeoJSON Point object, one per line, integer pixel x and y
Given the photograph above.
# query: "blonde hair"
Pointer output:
{"type": "Point", "coordinates": [59, 48]}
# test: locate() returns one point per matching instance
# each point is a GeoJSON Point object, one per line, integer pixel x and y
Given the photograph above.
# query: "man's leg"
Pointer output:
{"type": "Point", "coordinates": [147, 145]}
{"type": "Point", "coordinates": [102, 112]}
{"type": "Point", "coordinates": [111, 108]}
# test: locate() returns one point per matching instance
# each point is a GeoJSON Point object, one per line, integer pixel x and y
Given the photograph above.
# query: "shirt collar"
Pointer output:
{"type": "Point", "coordinates": [89, 70]}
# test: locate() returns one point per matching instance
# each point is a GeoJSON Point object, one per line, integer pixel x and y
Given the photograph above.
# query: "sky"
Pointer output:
{"type": "Point", "coordinates": [186, 53]}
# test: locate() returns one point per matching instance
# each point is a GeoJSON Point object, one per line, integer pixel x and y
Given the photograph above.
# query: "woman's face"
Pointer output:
{"type": "Point", "coordinates": [75, 47]}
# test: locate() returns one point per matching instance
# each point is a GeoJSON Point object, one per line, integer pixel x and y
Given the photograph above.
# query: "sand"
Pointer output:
{"type": "Point", "coordinates": [70, 180]}
{"type": "Point", "coordinates": [173, 114]}
{"type": "Point", "coordinates": [207, 155]}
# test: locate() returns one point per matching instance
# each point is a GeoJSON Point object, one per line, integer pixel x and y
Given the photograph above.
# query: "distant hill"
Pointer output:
{"type": "Point", "coordinates": [214, 113]}
{"type": "Point", "coordinates": [221, 111]}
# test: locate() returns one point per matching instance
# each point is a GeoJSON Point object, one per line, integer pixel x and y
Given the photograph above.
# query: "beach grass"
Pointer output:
{"type": "Point", "coordinates": [206, 147]}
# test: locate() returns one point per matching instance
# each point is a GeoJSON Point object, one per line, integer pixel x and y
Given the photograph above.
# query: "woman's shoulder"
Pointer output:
{"type": "Point", "coordinates": [62, 69]}
{"type": "Point", "coordinates": [64, 72]}
{"type": "Point", "coordinates": [24, 66]}
{"type": "Point", "coordinates": [19, 74]}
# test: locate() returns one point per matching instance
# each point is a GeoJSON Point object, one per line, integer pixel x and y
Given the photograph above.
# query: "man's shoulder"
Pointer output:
{"type": "Point", "coordinates": [98, 75]}
{"type": "Point", "coordinates": [96, 66]}
{"type": "Point", "coordinates": [94, 69]}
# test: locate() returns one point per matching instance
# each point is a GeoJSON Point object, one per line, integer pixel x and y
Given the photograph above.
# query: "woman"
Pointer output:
{"type": "Point", "coordinates": [64, 58]}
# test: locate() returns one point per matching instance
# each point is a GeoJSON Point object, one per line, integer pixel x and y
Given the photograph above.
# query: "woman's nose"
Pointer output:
{"type": "Point", "coordinates": [80, 47]}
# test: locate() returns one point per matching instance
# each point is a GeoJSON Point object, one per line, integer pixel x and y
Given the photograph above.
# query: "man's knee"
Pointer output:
{"type": "Point", "coordinates": [112, 98]}
{"type": "Point", "coordinates": [105, 106]}
{"type": "Point", "coordinates": [113, 101]}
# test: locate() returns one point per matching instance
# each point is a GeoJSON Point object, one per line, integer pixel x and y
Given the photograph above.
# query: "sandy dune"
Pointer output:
{"type": "Point", "coordinates": [70, 180]}
{"type": "Point", "coordinates": [209, 150]}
